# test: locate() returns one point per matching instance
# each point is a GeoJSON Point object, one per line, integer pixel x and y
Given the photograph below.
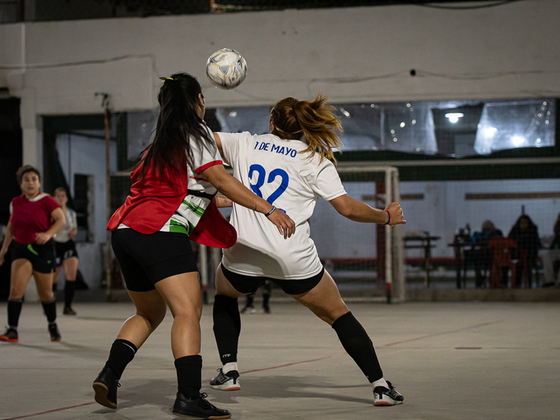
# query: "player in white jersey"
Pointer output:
{"type": "Point", "coordinates": [290, 168]}
{"type": "Point", "coordinates": [279, 171]}
{"type": "Point", "coordinates": [66, 253]}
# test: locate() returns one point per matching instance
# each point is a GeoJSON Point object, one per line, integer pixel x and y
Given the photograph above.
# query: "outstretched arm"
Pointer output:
{"type": "Point", "coordinates": [361, 212]}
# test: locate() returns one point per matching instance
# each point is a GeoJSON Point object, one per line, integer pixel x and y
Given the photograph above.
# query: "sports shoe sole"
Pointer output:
{"type": "Point", "coordinates": [101, 392]}
{"type": "Point", "coordinates": [226, 387]}
{"type": "Point", "coordinates": [9, 340]}
{"type": "Point", "coordinates": [386, 401]}
{"type": "Point", "coordinates": [198, 417]}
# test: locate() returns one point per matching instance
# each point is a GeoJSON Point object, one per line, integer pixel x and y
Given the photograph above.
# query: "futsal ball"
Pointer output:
{"type": "Point", "coordinates": [226, 68]}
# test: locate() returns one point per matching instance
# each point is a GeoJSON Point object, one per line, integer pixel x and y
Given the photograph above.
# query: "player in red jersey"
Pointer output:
{"type": "Point", "coordinates": [170, 203]}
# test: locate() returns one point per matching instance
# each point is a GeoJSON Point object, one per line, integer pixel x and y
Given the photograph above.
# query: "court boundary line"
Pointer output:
{"type": "Point", "coordinates": [442, 333]}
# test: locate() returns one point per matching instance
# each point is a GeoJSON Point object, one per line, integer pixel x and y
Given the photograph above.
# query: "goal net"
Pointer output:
{"type": "Point", "coordinates": [366, 260]}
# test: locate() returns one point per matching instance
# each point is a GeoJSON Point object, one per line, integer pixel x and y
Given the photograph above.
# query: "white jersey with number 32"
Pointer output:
{"type": "Point", "coordinates": [274, 169]}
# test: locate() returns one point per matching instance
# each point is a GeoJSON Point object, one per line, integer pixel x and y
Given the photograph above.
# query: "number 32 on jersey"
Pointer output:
{"type": "Point", "coordinates": [261, 178]}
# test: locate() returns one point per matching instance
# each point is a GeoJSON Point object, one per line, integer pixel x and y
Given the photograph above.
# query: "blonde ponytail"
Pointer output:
{"type": "Point", "coordinates": [291, 118]}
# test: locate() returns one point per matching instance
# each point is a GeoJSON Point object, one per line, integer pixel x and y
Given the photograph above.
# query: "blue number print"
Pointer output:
{"type": "Point", "coordinates": [283, 185]}
{"type": "Point", "coordinates": [261, 177]}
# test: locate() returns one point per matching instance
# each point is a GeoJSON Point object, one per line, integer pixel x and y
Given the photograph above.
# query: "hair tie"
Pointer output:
{"type": "Point", "coordinates": [163, 79]}
{"type": "Point", "coordinates": [288, 132]}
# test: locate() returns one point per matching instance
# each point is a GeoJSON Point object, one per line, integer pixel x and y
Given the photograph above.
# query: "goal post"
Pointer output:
{"type": "Point", "coordinates": [381, 185]}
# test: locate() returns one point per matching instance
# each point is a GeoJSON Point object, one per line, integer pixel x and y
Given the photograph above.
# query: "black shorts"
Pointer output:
{"type": "Point", "coordinates": [41, 256]}
{"type": "Point", "coordinates": [146, 259]}
{"type": "Point", "coordinates": [65, 251]}
{"type": "Point", "coordinates": [248, 284]}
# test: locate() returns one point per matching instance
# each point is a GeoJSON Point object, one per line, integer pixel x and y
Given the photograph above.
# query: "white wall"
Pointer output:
{"type": "Point", "coordinates": [351, 54]}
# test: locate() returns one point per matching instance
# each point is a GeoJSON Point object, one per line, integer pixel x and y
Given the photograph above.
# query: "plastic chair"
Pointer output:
{"type": "Point", "coordinates": [527, 265]}
{"type": "Point", "coordinates": [502, 258]}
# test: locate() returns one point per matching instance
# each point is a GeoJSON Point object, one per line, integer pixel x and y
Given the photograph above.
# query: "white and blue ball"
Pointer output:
{"type": "Point", "coordinates": [226, 68]}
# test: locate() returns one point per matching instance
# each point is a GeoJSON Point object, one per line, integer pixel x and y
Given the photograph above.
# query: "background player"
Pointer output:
{"type": "Point", "coordinates": [34, 218]}
{"type": "Point", "coordinates": [66, 253]}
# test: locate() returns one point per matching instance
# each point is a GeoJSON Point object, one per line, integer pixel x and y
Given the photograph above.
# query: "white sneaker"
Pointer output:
{"type": "Point", "coordinates": [226, 381]}
{"type": "Point", "coordinates": [248, 310]}
{"type": "Point", "coordinates": [384, 396]}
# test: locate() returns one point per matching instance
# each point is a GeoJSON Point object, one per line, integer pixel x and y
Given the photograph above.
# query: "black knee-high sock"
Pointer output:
{"type": "Point", "coordinates": [189, 372]}
{"type": "Point", "coordinates": [266, 299]}
{"type": "Point", "coordinates": [250, 300]}
{"type": "Point", "coordinates": [49, 308]}
{"type": "Point", "coordinates": [69, 289]}
{"type": "Point", "coordinates": [227, 327]}
{"type": "Point", "coordinates": [54, 287]}
{"type": "Point", "coordinates": [121, 354]}
{"type": "Point", "coordinates": [14, 310]}
{"type": "Point", "coordinates": [358, 345]}
{"type": "Point", "coordinates": [266, 292]}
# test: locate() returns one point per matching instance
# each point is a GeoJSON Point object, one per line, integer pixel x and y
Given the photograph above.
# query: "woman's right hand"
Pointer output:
{"type": "Point", "coordinates": [2, 257]}
{"type": "Point", "coordinates": [286, 226]}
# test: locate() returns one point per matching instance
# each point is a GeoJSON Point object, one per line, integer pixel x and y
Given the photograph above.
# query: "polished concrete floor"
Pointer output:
{"type": "Point", "coordinates": [454, 360]}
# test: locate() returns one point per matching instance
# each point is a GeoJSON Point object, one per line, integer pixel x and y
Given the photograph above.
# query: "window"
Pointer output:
{"type": "Point", "coordinates": [83, 199]}
{"type": "Point", "coordinates": [449, 128]}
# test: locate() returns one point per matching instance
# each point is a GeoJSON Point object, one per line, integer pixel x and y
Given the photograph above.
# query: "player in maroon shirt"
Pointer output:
{"type": "Point", "coordinates": [34, 218]}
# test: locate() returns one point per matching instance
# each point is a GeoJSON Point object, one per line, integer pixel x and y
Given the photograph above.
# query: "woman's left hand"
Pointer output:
{"type": "Point", "coordinates": [286, 226]}
{"type": "Point", "coordinates": [42, 238]}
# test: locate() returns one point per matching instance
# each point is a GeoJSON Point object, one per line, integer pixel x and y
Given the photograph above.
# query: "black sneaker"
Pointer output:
{"type": "Point", "coordinates": [105, 387]}
{"type": "Point", "coordinates": [55, 334]}
{"type": "Point", "coordinates": [68, 311]}
{"type": "Point", "coordinates": [226, 381]}
{"type": "Point", "coordinates": [384, 396]}
{"type": "Point", "coordinates": [199, 408]}
{"type": "Point", "coordinates": [10, 335]}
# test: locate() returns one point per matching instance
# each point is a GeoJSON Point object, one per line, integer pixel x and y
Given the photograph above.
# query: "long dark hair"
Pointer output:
{"type": "Point", "coordinates": [178, 123]}
{"type": "Point", "coordinates": [530, 224]}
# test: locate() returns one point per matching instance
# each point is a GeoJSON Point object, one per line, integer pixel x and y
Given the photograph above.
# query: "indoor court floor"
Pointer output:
{"type": "Point", "coordinates": [460, 361]}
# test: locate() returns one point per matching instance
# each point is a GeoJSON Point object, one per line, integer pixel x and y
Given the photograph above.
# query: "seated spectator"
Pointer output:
{"type": "Point", "coordinates": [482, 256]}
{"type": "Point", "coordinates": [526, 234]}
{"type": "Point", "coordinates": [551, 258]}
